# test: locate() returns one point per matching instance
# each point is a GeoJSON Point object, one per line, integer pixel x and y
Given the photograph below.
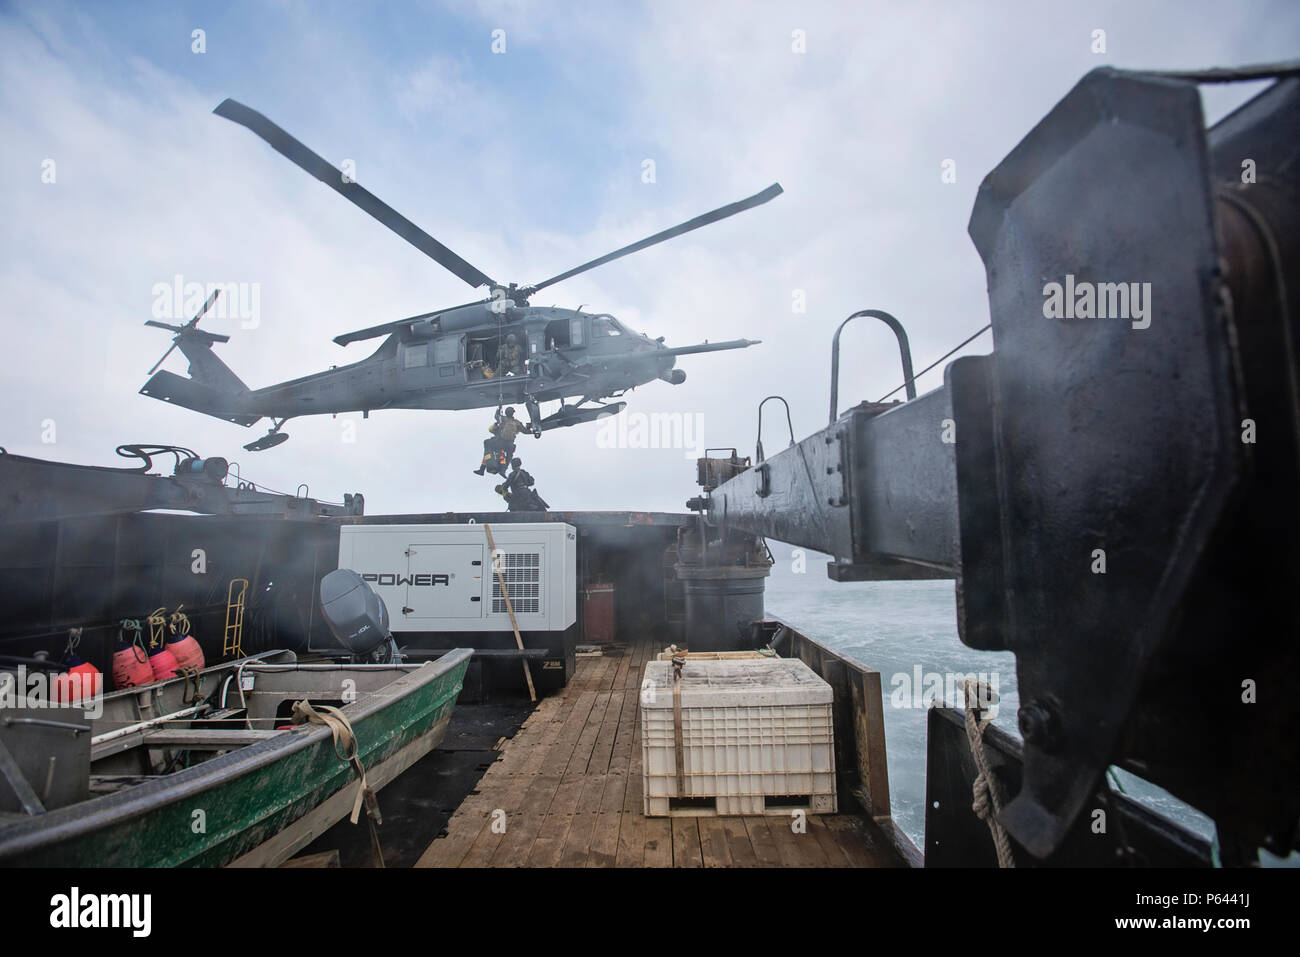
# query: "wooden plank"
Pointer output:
{"type": "Point", "coordinates": [611, 758]}
{"type": "Point", "coordinates": [549, 843]}
{"type": "Point", "coordinates": [602, 753]}
{"type": "Point", "coordinates": [526, 825]}
{"type": "Point", "coordinates": [686, 842]}
{"type": "Point", "coordinates": [869, 739]}
{"type": "Point", "coordinates": [645, 652]}
{"type": "Point", "coordinates": [586, 743]}
{"type": "Point", "coordinates": [606, 679]}
{"type": "Point", "coordinates": [469, 819]}
{"type": "Point", "coordinates": [206, 739]}
{"type": "Point", "coordinates": [657, 841]}
{"type": "Point", "coordinates": [538, 791]}
{"type": "Point", "coordinates": [588, 674]}
{"type": "Point", "coordinates": [507, 781]}
{"type": "Point", "coordinates": [838, 847]}
{"type": "Point", "coordinates": [474, 816]}
{"type": "Point", "coordinates": [738, 842]}
{"type": "Point", "coordinates": [620, 758]}
{"type": "Point", "coordinates": [638, 844]}
{"type": "Point", "coordinates": [472, 820]}
{"type": "Point", "coordinates": [863, 848]}
{"type": "Point", "coordinates": [797, 849]}
{"type": "Point", "coordinates": [552, 836]}
{"type": "Point", "coordinates": [624, 664]}
{"type": "Point", "coordinates": [603, 850]}
{"type": "Point", "coordinates": [714, 848]}
{"type": "Point", "coordinates": [760, 839]}
{"type": "Point", "coordinates": [577, 843]}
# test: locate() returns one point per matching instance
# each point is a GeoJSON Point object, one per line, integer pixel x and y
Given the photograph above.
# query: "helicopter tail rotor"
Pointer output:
{"type": "Point", "coordinates": [188, 329]}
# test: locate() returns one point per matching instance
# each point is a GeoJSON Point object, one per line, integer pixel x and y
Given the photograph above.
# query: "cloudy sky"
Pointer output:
{"type": "Point", "coordinates": [525, 162]}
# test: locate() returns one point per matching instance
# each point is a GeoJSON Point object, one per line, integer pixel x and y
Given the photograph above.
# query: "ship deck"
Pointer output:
{"type": "Point", "coordinates": [569, 784]}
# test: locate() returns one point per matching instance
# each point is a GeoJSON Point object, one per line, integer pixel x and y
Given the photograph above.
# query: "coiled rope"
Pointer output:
{"type": "Point", "coordinates": [987, 791]}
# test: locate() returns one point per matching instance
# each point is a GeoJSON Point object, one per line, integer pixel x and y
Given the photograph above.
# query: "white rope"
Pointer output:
{"type": "Point", "coordinates": [987, 792]}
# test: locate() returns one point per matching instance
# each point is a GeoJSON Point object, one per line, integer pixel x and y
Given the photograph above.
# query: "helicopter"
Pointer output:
{"type": "Point", "coordinates": [496, 350]}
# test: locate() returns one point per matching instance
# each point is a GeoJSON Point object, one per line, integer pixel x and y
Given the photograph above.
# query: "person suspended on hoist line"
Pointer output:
{"type": "Point", "coordinates": [523, 497]}
{"type": "Point", "coordinates": [508, 429]}
{"type": "Point", "coordinates": [518, 478]}
{"type": "Point", "coordinates": [500, 445]}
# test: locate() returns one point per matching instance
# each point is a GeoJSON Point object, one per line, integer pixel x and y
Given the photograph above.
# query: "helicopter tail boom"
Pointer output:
{"type": "Point", "coordinates": [191, 394]}
{"type": "Point", "coordinates": [212, 388]}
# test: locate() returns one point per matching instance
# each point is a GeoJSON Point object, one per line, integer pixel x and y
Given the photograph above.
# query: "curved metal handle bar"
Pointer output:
{"type": "Point", "coordinates": [758, 451]}
{"type": "Point", "coordinates": [903, 348]}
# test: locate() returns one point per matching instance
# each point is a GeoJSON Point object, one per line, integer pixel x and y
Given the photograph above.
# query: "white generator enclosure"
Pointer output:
{"type": "Point", "coordinates": [441, 577]}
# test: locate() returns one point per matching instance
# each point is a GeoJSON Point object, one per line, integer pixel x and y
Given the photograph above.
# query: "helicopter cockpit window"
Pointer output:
{"type": "Point", "coordinates": [415, 356]}
{"type": "Point", "coordinates": [604, 327]}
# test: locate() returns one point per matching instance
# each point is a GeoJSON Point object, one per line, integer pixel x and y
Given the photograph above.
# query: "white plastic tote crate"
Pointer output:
{"type": "Point", "coordinates": [756, 738]}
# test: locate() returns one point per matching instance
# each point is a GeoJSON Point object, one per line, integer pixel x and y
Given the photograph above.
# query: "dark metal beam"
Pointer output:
{"type": "Point", "coordinates": [876, 490]}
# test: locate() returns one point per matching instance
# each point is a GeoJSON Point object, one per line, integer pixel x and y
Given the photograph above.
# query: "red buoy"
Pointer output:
{"type": "Point", "coordinates": [131, 667]}
{"type": "Point", "coordinates": [163, 664]}
{"type": "Point", "coordinates": [81, 680]}
{"type": "Point", "coordinates": [186, 651]}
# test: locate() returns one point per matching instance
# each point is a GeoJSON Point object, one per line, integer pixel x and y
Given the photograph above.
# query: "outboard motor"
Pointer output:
{"type": "Point", "coordinates": [357, 617]}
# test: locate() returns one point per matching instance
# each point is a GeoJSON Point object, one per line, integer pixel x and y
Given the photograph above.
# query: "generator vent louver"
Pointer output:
{"type": "Point", "coordinates": [522, 572]}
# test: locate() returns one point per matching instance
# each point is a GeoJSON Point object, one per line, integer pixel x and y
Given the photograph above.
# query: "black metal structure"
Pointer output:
{"type": "Point", "coordinates": [1114, 487]}
{"type": "Point", "coordinates": [41, 490]}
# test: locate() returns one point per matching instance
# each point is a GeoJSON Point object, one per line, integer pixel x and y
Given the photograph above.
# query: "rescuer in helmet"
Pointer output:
{"type": "Point", "coordinates": [510, 358]}
{"type": "Point", "coordinates": [508, 429]}
{"type": "Point", "coordinates": [523, 497]}
{"type": "Point", "coordinates": [500, 445]}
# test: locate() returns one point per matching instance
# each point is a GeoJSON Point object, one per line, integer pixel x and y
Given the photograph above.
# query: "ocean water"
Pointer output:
{"type": "Point", "coordinates": [900, 629]}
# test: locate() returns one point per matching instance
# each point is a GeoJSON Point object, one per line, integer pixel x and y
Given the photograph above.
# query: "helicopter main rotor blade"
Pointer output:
{"type": "Point", "coordinates": [722, 212]}
{"type": "Point", "coordinates": [163, 359]}
{"type": "Point", "coordinates": [384, 328]}
{"type": "Point", "coordinates": [163, 325]}
{"type": "Point", "coordinates": [303, 157]}
{"type": "Point", "coordinates": [206, 306]}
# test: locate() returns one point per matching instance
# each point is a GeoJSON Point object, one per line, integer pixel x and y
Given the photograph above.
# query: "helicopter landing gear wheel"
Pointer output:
{"type": "Point", "coordinates": [534, 417]}
{"type": "Point", "coordinates": [271, 439]}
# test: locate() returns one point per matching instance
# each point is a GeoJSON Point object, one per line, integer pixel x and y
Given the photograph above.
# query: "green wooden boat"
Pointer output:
{"type": "Point", "coordinates": [119, 793]}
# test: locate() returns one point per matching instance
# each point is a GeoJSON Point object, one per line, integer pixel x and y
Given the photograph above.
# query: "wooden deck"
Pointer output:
{"type": "Point", "coordinates": [566, 792]}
